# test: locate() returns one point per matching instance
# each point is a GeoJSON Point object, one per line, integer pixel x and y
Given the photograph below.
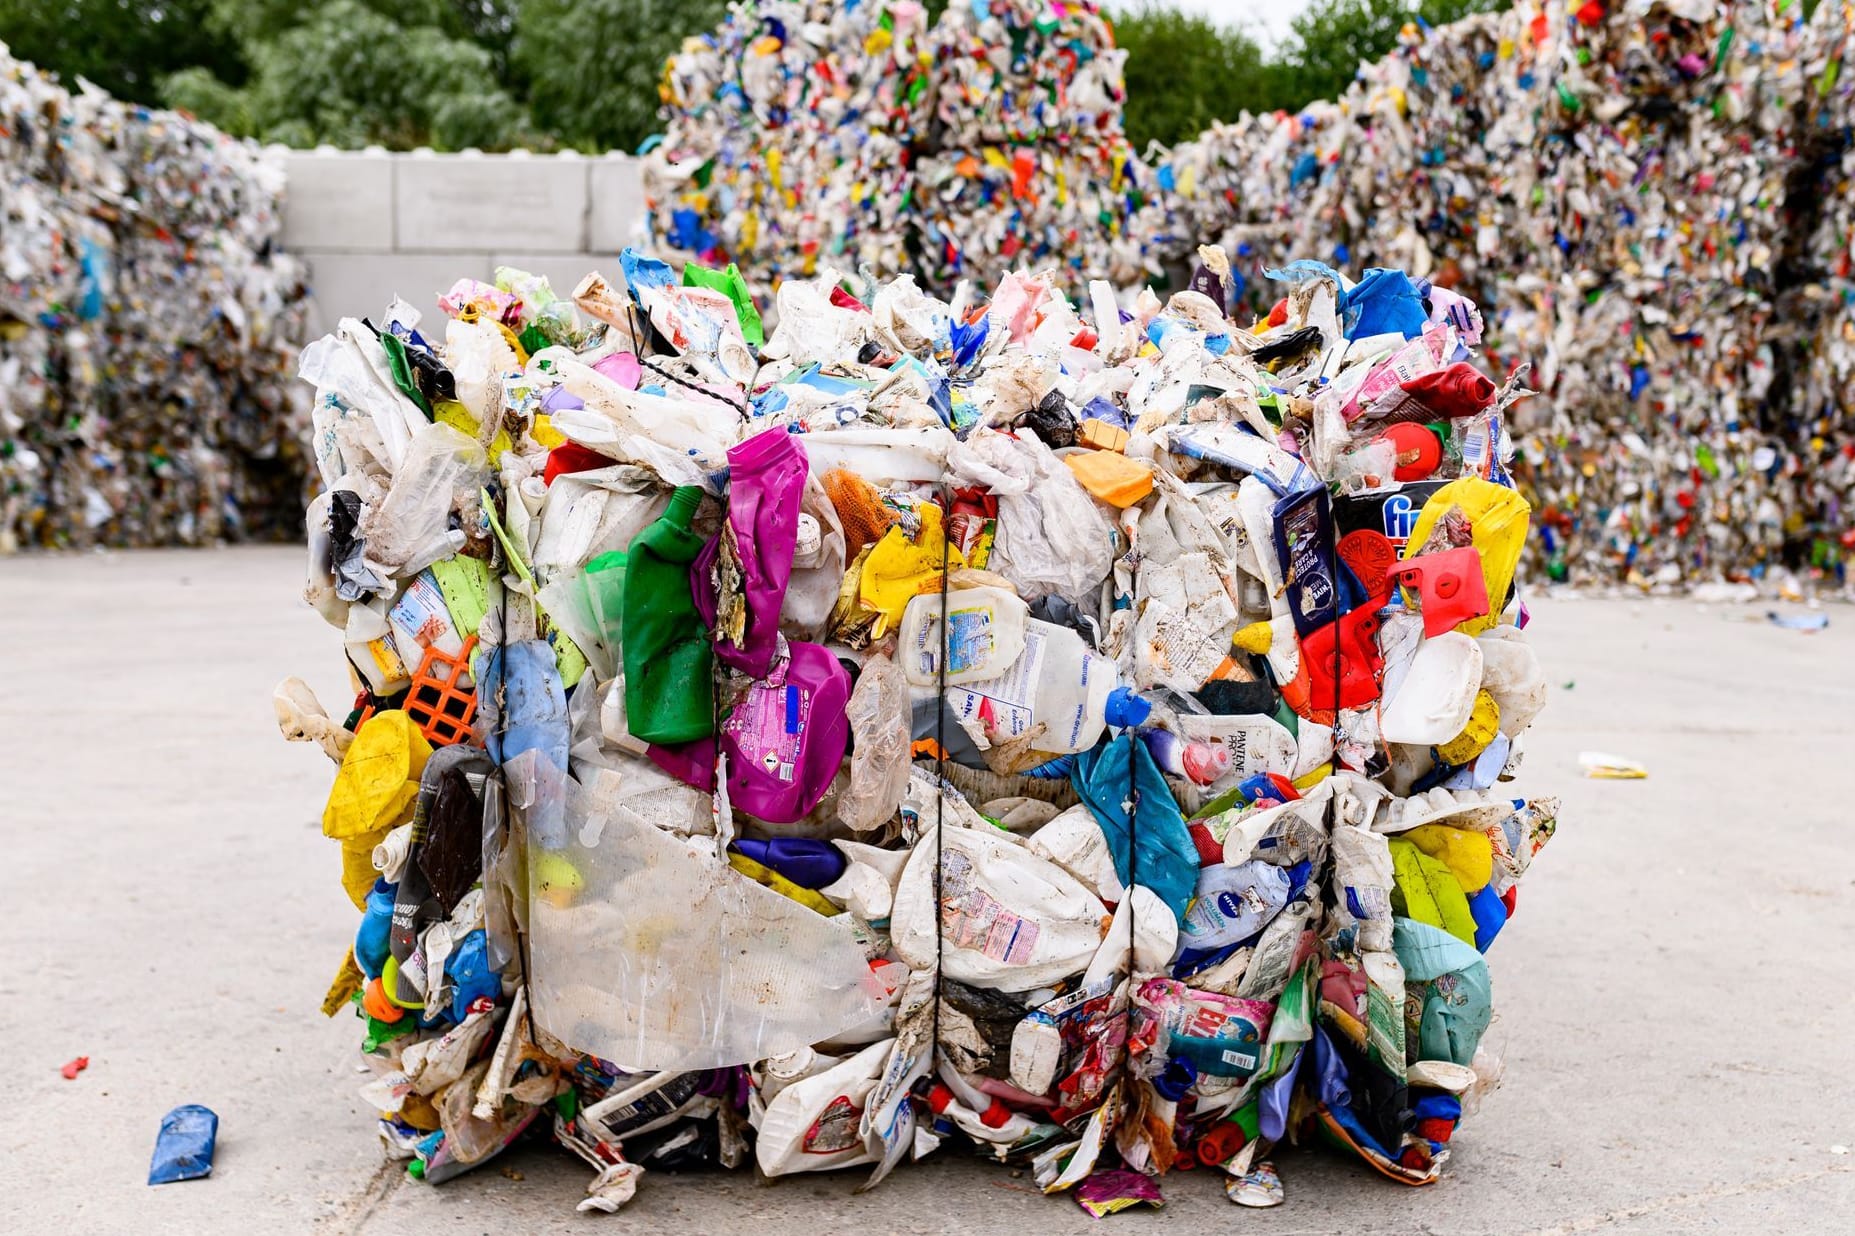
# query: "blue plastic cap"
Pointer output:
{"type": "Point", "coordinates": [1124, 708]}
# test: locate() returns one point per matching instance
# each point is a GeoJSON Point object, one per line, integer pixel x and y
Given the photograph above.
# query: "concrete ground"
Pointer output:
{"type": "Point", "coordinates": [1675, 993]}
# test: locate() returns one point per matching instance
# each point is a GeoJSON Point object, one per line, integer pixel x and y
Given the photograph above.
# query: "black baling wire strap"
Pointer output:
{"type": "Point", "coordinates": [645, 362]}
{"type": "Point", "coordinates": [1133, 879]}
{"type": "Point", "coordinates": [502, 729]}
{"type": "Point", "coordinates": [940, 759]}
{"type": "Point", "coordinates": [1339, 652]}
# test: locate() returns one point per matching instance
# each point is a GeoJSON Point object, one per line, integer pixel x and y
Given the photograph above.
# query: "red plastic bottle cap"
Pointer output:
{"type": "Point", "coordinates": [1220, 1142]}
{"type": "Point", "coordinates": [1278, 315]}
{"type": "Point", "coordinates": [1436, 1130]}
{"type": "Point", "coordinates": [995, 1116]}
{"type": "Point", "coordinates": [1419, 453]}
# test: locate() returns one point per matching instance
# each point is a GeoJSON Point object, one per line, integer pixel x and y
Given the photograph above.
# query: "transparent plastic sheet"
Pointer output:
{"type": "Point", "coordinates": [669, 960]}
{"type": "Point", "coordinates": [879, 762]}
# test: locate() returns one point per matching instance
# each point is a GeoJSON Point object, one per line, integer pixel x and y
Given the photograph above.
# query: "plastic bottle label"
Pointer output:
{"type": "Point", "coordinates": [1004, 703]}
{"type": "Point", "coordinates": [769, 727]}
{"type": "Point", "coordinates": [971, 919]}
{"type": "Point", "coordinates": [420, 619]}
{"type": "Point", "coordinates": [978, 923]}
{"type": "Point", "coordinates": [969, 641]}
{"type": "Point", "coordinates": [835, 1130]}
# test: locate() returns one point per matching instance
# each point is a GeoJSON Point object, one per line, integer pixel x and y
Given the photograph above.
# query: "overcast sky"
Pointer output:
{"type": "Point", "coordinates": [1269, 18]}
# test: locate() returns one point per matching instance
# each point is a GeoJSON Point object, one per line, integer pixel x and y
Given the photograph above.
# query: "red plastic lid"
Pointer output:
{"type": "Point", "coordinates": [1369, 554]}
{"type": "Point", "coordinates": [1419, 451]}
{"type": "Point", "coordinates": [1360, 662]}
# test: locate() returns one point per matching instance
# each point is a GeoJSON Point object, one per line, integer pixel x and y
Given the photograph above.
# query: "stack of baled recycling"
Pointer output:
{"type": "Point", "coordinates": [1080, 734]}
{"type": "Point", "coordinates": [1614, 181]}
{"type": "Point", "coordinates": [147, 327]}
{"type": "Point", "coordinates": [1812, 483]}
{"type": "Point", "coordinates": [804, 134]}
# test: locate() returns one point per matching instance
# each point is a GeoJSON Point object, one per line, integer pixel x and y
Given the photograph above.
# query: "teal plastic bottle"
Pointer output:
{"type": "Point", "coordinates": [669, 696]}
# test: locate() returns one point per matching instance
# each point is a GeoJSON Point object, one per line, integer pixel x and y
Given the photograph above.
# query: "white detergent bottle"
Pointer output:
{"type": "Point", "coordinates": [1057, 680]}
{"type": "Point", "coordinates": [811, 1125]}
{"type": "Point", "coordinates": [984, 635]}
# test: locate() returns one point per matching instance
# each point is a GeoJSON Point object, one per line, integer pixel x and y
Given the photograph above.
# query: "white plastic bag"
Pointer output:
{"type": "Point", "coordinates": [443, 472]}
{"type": "Point", "coordinates": [1012, 920]}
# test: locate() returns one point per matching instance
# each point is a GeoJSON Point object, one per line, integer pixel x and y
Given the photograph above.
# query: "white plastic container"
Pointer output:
{"type": "Point", "coordinates": [985, 634]}
{"type": "Point", "coordinates": [1510, 672]}
{"type": "Point", "coordinates": [812, 1125]}
{"type": "Point", "coordinates": [1232, 903]}
{"type": "Point", "coordinates": [1057, 679]}
{"type": "Point", "coordinates": [1433, 702]}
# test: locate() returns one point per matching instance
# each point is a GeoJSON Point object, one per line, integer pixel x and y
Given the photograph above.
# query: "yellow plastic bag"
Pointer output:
{"type": "Point", "coordinates": [1468, 855]}
{"type": "Point", "coordinates": [898, 570]}
{"type": "Point", "coordinates": [357, 865]}
{"type": "Point", "coordinates": [379, 779]}
{"type": "Point", "coordinates": [1499, 517]}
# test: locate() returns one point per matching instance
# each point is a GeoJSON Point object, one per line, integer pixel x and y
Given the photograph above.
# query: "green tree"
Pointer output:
{"type": "Point", "coordinates": [1328, 41]}
{"type": "Point", "coordinates": [398, 73]}
{"type": "Point", "coordinates": [1185, 71]}
{"type": "Point", "coordinates": [593, 66]}
{"type": "Point", "coordinates": [124, 46]}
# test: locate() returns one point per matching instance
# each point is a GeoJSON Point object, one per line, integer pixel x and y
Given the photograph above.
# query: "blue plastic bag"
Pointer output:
{"type": "Point", "coordinates": [1167, 855]}
{"type": "Point", "coordinates": [184, 1147]}
{"type": "Point", "coordinates": [1383, 302]}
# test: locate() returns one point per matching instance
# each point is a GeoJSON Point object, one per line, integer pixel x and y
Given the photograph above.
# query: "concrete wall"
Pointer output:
{"type": "Point", "coordinates": [372, 225]}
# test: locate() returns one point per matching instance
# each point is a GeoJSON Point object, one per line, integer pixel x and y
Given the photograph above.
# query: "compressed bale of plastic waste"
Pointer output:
{"type": "Point", "coordinates": [802, 135]}
{"type": "Point", "coordinates": [147, 327]}
{"type": "Point", "coordinates": [1097, 824]}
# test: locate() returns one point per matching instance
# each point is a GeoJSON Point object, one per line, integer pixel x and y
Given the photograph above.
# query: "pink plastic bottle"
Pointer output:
{"type": "Point", "coordinates": [766, 482]}
{"type": "Point", "coordinates": [785, 739]}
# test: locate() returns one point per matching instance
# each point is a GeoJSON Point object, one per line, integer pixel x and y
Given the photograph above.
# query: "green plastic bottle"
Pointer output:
{"type": "Point", "coordinates": [669, 697]}
{"type": "Point", "coordinates": [605, 590]}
